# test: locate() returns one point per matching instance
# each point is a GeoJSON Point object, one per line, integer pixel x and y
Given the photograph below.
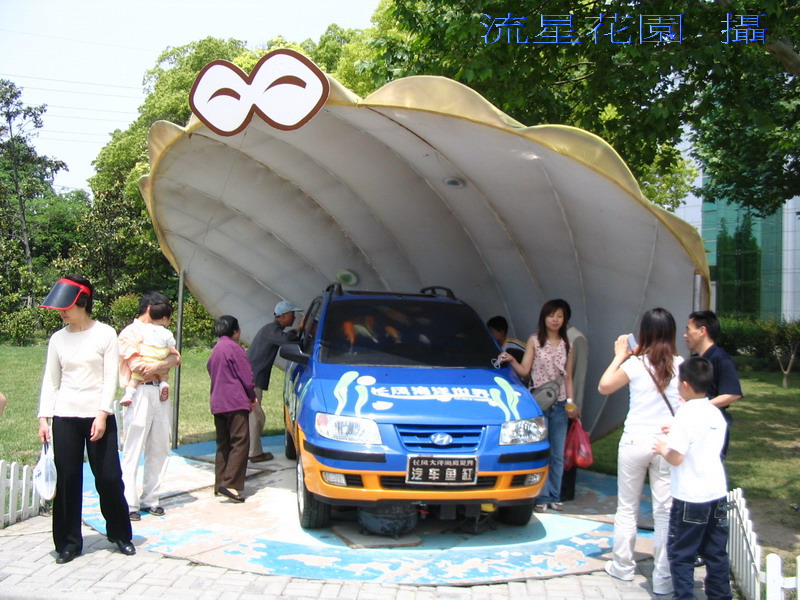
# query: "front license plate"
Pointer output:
{"type": "Point", "coordinates": [450, 470]}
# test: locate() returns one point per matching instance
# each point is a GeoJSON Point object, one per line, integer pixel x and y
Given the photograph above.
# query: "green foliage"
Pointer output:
{"type": "Point", "coordinates": [668, 180]}
{"type": "Point", "coordinates": [740, 102]}
{"type": "Point", "coordinates": [784, 337]}
{"type": "Point", "coordinates": [768, 344]}
{"type": "Point", "coordinates": [747, 136]}
{"type": "Point", "coordinates": [123, 310]}
{"type": "Point", "coordinates": [28, 325]}
{"type": "Point", "coordinates": [53, 222]}
{"type": "Point", "coordinates": [169, 82]}
{"type": "Point", "coordinates": [743, 335]}
{"type": "Point", "coordinates": [198, 324]}
{"type": "Point", "coordinates": [25, 178]}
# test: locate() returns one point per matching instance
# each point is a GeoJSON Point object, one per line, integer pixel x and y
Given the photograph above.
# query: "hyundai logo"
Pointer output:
{"type": "Point", "coordinates": [441, 439]}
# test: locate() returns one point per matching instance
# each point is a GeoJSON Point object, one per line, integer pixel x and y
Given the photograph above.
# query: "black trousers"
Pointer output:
{"type": "Point", "coordinates": [70, 437]}
{"type": "Point", "coordinates": [233, 447]}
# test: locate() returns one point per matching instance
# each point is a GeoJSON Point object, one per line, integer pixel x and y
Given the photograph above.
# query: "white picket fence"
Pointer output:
{"type": "Point", "coordinates": [745, 557]}
{"type": "Point", "coordinates": [18, 497]}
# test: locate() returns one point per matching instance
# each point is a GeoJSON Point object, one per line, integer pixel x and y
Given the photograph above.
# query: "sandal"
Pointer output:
{"type": "Point", "coordinates": [232, 494]}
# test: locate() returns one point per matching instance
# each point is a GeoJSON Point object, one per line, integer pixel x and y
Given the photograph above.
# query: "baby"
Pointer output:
{"type": "Point", "coordinates": [157, 343]}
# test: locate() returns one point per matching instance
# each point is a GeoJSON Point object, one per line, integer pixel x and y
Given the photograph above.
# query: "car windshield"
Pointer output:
{"type": "Point", "coordinates": [407, 332]}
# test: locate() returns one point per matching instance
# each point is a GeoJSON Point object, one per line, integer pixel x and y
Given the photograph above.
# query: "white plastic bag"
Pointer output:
{"type": "Point", "coordinates": [44, 473]}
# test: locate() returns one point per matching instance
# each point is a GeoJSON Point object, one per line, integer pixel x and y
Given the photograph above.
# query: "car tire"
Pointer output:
{"type": "Point", "coordinates": [519, 514]}
{"type": "Point", "coordinates": [313, 513]}
{"type": "Point", "coordinates": [288, 446]}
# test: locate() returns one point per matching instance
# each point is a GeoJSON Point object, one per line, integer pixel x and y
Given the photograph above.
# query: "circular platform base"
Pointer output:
{"type": "Point", "coordinates": [263, 534]}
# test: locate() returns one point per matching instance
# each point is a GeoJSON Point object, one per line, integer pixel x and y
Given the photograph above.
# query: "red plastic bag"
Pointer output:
{"type": "Point", "coordinates": [577, 448]}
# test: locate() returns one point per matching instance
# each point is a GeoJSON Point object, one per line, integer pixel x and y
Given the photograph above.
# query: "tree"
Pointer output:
{"type": "Point", "coordinates": [119, 250]}
{"type": "Point", "coordinates": [24, 175]}
{"type": "Point", "coordinates": [53, 221]}
{"type": "Point", "coordinates": [785, 341]}
{"type": "Point", "coordinates": [641, 97]}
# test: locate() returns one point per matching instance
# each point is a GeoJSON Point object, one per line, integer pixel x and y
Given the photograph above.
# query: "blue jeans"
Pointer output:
{"type": "Point", "coordinates": [557, 425]}
{"type": "Point", "coordinates": [699, 528]}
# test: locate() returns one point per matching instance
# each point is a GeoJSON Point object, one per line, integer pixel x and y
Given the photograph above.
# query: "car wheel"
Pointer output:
{"type": "Point", "coordinates": [518, 514]}
{"type": "Point", "coordinates": [313, 513]}
{"type": "Point", "coordinates": [288, 446]}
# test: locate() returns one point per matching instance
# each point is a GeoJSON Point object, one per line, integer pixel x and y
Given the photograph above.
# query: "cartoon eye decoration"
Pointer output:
{"type": "Point", "coordinates": [285, 89]}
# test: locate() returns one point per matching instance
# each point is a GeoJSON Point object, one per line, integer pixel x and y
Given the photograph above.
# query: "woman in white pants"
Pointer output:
{"type": "Point", "coordinates": [651, 372]}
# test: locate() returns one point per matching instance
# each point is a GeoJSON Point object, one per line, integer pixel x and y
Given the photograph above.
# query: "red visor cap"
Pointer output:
{"type": "Point", "coordinates": [64, 294]}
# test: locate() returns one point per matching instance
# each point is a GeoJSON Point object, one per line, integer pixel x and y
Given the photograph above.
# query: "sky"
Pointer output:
{"type": "Point", "coordinates": [86, 59]}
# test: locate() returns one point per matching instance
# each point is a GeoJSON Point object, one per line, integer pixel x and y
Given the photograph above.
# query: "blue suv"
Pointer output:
{"type": "Point", "coordinates": [393, 404]}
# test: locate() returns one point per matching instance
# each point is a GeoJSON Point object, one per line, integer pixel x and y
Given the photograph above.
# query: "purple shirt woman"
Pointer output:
{"type": "Point", "coordinates": [232, 398]}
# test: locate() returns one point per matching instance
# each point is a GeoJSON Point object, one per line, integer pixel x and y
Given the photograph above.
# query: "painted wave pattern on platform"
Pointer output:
{"type": "Point", "coordinates": [199, 528]}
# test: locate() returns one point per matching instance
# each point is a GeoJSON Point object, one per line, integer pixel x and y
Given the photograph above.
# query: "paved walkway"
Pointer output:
{"type": "Point", "coordinates": [28, 571]}
{"type": "Point", "coordinates": [169, 566]}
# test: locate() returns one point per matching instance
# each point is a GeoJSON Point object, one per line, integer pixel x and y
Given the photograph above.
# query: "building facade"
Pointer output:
{"type": "Point", "coordinates": [754, 261]}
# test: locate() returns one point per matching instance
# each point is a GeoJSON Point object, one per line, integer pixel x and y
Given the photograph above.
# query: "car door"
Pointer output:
{"type": "Point", "coordinates": [297, 373]}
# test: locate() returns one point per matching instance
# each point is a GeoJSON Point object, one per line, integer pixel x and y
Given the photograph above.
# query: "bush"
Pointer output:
{"type": "Point", "coordinates": [198, 325]}
{"type": "Point", "coordinates": [123, 310]}
{"type": "Point", "coordinates": [28, 325]}
{"type": "Point", "coordinates": [742, 335]}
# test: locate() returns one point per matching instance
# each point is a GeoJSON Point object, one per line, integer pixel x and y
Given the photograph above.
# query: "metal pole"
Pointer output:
{"type": "Point", "coordinates": [179, 343]}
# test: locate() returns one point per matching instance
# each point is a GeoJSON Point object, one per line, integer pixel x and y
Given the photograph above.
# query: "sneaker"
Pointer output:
{"type": "Point", "coordinates": [556, 506]}
{"type": "Point", "coordinates": [540, 508]}
{"type": "Point", "coordinates": [164, 393]}
{"type": "Point", "coordinates": [699, 561]}
{"type": "Point", "coordinates": [609, 568]}
{"type": "Point", "coordinates": [154, 510]}
{"type": "Point", "coordinates": [135, 515]}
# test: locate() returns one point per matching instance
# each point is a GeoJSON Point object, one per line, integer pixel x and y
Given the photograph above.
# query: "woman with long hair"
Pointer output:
{"type": "Point", "coordinates": [78, 388]}
{"type": "Point", "coordinates": [650, 370]}
{"type": "Point", "coordinates": [547, 357]}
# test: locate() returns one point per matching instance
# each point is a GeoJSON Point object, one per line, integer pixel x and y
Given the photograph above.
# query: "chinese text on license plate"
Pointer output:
{"type": "Point", "coordinates": [450, 470]}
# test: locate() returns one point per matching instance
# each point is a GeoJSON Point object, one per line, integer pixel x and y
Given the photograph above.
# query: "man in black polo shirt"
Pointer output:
{"type": "Point", "coordinates": [702, 331]}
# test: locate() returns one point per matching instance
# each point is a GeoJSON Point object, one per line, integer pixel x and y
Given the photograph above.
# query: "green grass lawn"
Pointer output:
{"type": "Point", "coordinates": [21, 370]}
{"type": "Point", "coordinates": [763, 459]}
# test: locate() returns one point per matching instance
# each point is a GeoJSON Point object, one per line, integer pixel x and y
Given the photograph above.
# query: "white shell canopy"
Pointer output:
{"type": "Point", "coordinates": [423, 183]}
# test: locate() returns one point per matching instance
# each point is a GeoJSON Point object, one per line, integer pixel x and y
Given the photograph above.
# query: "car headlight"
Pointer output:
{"type": "Point", "coordinates": [524, 431]}
{"type": "Point", "coordinates": [347, 429]}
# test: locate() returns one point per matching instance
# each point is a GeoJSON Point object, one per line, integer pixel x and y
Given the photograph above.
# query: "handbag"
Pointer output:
{"type": "Point", "coordinates": [577, 447]}
{"type": "Point", "coordinates": [547, 394]}
{"type": "Point", "coordinates": [44, 473]}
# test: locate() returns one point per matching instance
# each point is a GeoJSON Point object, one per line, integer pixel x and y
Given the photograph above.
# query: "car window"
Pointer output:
{"type": "Point", "coordinates": [310, 324]}
{"type": "Point", "coordinates": [407, 332]}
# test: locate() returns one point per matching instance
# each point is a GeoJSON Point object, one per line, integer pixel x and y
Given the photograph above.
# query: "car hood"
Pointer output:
{"type": "Point", "coordinates": [434, 395]}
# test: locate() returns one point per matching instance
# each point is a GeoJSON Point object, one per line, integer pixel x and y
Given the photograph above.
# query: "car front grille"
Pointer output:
{"type": "Point", "coordinates": [418, 438]}
{"type": "Point", "coordinates": [392, 482]}
{"type": "Point", "coordinates": [353, 480]}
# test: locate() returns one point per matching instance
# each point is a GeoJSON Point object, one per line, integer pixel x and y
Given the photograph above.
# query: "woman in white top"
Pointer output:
{"type": "Point", "coordinates": [78, 388]}
{"type": "Point", "coordinates": [651, 373]}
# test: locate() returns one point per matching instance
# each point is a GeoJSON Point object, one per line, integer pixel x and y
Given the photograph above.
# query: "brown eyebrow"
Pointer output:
{"type": "Point", "coordinates": [226, 92]}
{"type": "Point", "coordinates": [290, 79]}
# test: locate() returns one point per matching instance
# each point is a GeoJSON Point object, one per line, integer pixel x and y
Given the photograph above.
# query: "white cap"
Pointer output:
{"type": "Point", "coordinates": [284, 306]}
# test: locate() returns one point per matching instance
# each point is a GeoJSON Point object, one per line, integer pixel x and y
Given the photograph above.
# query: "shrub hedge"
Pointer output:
{"type": "Point", "coordinates": [29, 326]}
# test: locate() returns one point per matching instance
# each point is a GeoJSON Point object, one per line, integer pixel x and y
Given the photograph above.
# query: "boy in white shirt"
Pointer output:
{"type": "Point", "coordinates": [698, 522]}
{"type": "Point", "coordinates": [157, 343]}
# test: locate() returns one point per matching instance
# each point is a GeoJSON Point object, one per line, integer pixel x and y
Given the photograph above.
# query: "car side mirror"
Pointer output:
{"type": "Point", "coordinates": [293, 353]}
